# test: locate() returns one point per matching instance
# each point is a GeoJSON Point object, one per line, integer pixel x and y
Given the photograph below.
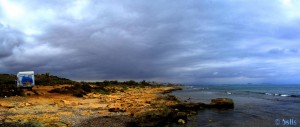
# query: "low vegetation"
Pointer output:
{"type": "Point", "coordinates": [82, 88]}
{"type": "Point", "coordinates": [48, 79]}
{"type": "Point", "coordinates": [78, 89]}
{"type": "Point", "coordinates": [8, 83]}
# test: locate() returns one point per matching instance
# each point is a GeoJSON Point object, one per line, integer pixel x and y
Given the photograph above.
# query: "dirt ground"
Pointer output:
{"type": "Point", "coordinates": [53, 109]}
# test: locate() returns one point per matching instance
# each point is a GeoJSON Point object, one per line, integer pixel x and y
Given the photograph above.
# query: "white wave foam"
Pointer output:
{"type": "Point", "coordinates": [268, 93]}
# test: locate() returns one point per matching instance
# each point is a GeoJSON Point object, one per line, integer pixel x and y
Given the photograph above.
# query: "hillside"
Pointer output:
{"type": "Point", "coordinates": [40, 79]}
{"type": "Point", "coordinates": [8, 83]}
{"type": "Point", "coordinates": [47, 79]}
{"type": "Point", "coordinates": [7, 79]}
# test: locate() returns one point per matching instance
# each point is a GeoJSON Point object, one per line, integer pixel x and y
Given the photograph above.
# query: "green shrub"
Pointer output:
{"type": "Point", "coordinates": [86, 88]}
{"type": "Point", "coordinates": [101, 91]}
{"type": "Point", "coordinates": [80, 90]}
{"type": "Point", "coordinates": [79, 93]}
{"type": "Point", "coordinates": [10, 90]}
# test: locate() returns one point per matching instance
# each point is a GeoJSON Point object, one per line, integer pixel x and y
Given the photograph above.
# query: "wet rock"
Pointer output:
{"type": "Point", "coordinates": [171, 98]}
{"type": "Point", "coordinates": [153, 118]}
{"type": "Point", "coordinates": [222, 103]}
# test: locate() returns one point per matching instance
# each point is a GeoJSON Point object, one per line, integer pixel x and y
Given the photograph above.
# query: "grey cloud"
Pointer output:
{"type": "Point", "coordinates": [182, 41]}
{"type": "Point", "coordinates": [283, 51]}
{"type": "Point", "coordinates": [9, 40]}
{"type": "Point", "coordinates": [121, 50]}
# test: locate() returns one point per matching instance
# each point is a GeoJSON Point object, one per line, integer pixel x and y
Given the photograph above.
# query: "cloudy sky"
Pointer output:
{"type": "Point", "coordinates": [185, 41]}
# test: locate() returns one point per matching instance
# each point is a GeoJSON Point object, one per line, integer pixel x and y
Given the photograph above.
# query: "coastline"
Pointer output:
{"type": "Point", "coordinates": [51, 109]}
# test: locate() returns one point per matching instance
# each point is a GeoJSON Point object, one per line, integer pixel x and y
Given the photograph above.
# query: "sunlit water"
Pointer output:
{"type": "Point", "coordinates": [255, 105]}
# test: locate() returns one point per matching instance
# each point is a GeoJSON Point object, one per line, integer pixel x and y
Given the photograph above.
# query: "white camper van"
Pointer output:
{"type": "Point", "coordinates": [25, 79]}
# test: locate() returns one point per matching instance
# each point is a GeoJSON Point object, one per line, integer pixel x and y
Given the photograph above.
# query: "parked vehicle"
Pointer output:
{"type": "Point", "coordinates": [25, 79]}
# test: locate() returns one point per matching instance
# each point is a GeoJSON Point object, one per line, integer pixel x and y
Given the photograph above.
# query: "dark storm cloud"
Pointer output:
{"type": "Point", "coordinates": [9, 40]}
{"type": "Point", "coordinates": [124, 47]}
{"type": "Point", "coordinates": [181, 41]}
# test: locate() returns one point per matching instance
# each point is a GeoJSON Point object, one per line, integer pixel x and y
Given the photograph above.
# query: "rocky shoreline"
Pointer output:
{"type": "Point", "coordinates": [135, 106]}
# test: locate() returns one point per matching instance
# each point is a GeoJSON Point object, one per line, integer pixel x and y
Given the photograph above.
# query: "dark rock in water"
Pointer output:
{"type": "Point", "coordinates": [171, 90]}
{"type": "Point", "coordinates": [221, 103]}
{"type": "Point", "coordinates": [179, 112]}
{"type": "Point", "coordinates": [189, 106]}
{"type": "Point", "coordinates": [155, 118]}
{"type": "Point", "coordinates": [171, 98]}
{"type": "Point", "coordinates": [167, 115]}
{"type": "Point", "coordinates": [295, 96]}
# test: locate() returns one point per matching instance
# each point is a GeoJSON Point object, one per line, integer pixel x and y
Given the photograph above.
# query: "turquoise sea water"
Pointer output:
{"type": "Point", "coordinates": [255, 105]}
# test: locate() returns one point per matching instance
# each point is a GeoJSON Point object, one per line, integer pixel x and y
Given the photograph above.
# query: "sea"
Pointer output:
{"type": "Point", "coordinates": [256, 105]}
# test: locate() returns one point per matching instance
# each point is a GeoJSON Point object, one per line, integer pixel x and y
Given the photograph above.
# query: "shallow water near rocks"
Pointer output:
{"type": "Point", "coordinates": [255, 105]}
